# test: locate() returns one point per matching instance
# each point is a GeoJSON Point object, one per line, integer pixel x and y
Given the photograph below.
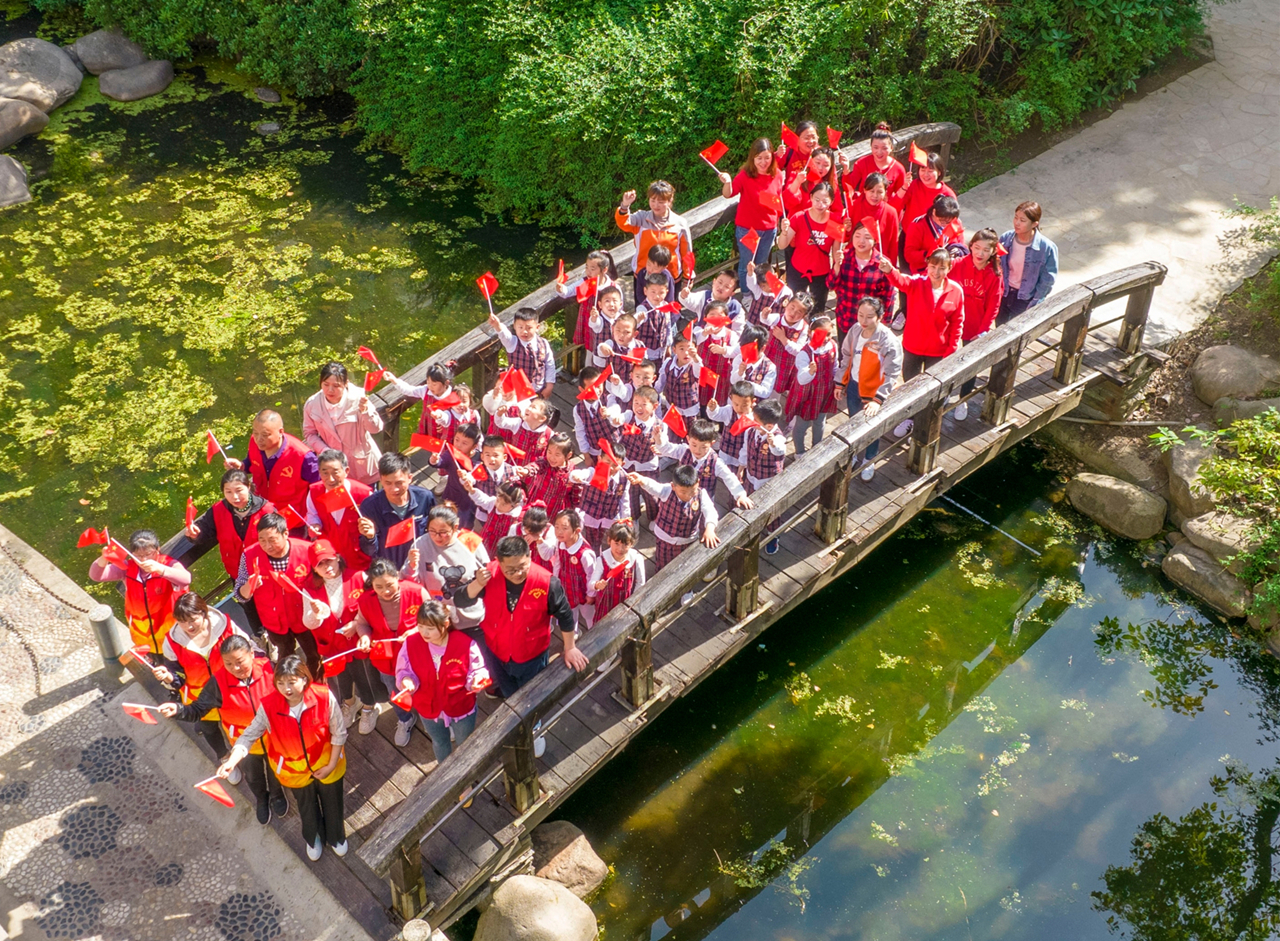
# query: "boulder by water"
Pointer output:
{"type": "Point", "coordinates": [1227, 410]}
{"type": "Point", "coordinates": [39, 72]}
{"type": "Point", "coordinates": [1230, 372]}
{"type": "Point", "coordinates": [13, 182]}
{"type": "Point", "coordinates": [269, 95]}
{"type": "Point", "coordinates": [107, 50]}
{"type": "Point", "coordinates": [562, 853]}
{"type": "Point", "coordinates": [1186, 493]}
{"type": "Point", "coordinates": [526, 908]}
{"type": "Point", "coordinates": [1117, 505]}
{"type": "Point", "coordinates": [141, 81]}
{"type": "Point", "coordinates": [19, 118]}
{"type": "Point", "coordinates": [1195, 570]}
{"type": "Point", "coordinates": [1220, 535]}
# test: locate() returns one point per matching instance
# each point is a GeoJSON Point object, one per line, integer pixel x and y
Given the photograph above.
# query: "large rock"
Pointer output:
{"type": "Point", "coordinates": [526, 908]}
{"type": "Point", "coordinates": [13, 182]}
{"type": "Point", "coordinates": [19, 118]}
{"type": "Point", "coordinates": [141, 81]}
{"type": "Point", "coordinates": [1134, 461]}
{"type": "Point", "coordinates": [1193, 569]}
{"type": "Point", "coordinates": [107, 50]}
{"type": "Point", "coordinates": [1186, 492]}
{"type": "Point", "coordinates": [562, 853]}
{"type": "Point", "coordinates": [38, 72]}
{"type": "Point", "coordinates": [1230, 372]}
{"type": "Point", "coordinates": [1117, 505]}
{"type": "Point", "coordinates": [1227, 410]}
{"type": "Point", "coordinates": [1221, 535]}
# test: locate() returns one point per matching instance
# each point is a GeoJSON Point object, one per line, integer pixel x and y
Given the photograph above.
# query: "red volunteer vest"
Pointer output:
{"type": "Point", "coordinates": [240, 701]}
{"type": "Point", "coordinates": [285, 485]}
{"type": "Point", "coordinates": [230, 545]}
{"type": "Point", "coordinates": [444, 690]}
{"type": "Point", "coordinates": [199, 669]}
{"type": "Point", "coordinates": [279, 607]}
{"type": "Point", "coordinates": [383, 656]}
{"type": "Point", "coordinates": [328, 641]}
{"type": "Point", "coordinates": [345, 536]}
{"type": "Point", "coordinates": [520, 635]}
{"type": "Point", "coordinates": [297, 747]}
{"type": "Point", "coordinates": [148, 604]}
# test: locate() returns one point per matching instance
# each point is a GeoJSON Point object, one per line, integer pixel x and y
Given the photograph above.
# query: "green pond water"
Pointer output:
{"type": "Point", "coordinates": [176, 271]}
{"type": "Point", "coordinates": [958, 741]}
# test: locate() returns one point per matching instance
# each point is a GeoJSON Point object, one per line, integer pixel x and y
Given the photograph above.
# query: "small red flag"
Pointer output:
{"type": "Point", "coordinates": [609, 452]}
{"type": "Point", "coordinates": [213, 788]}
{"type": "Point", "coordinates": [813, 176]}
{"type": "Point", "coordinates": [671, 307]}
{"type": "Point", "coordinates": [617, 570]}
{"type": "Point", "coordinates": [742, 424]}
{"type": "Point", "coordinates": [284, 581]}
{"type": "Point", "coordinates": [775, 283]}
{"type": "Point", "coordinates": [141, 713]}
{"type": "Point", "coordinates": [630, 429]}
{"type": "Point", "coordinates": [211, 448]}
{"type": "Point", "coordinates": [600, 476]}
{"type": "Point", "coordinates": [589, 394]}
{"type": "Point", "coordinates": [687, 332]}
{"type": "Point", "coordinates": [713, 153]}
{"type": "Point", "coordinates": [833, 137]}
{"type": "Point", "coordinates": [586, 290]}
{"type": "Point", "coordinates": [751, 241]}
{"type": "Point", "coordinates": [818, 338]}
{"type": "Point", "coordinates": [479, 472]}
{"type": "Point", "coordinates": [333, 500]}
{"type": "Point", "coordinates": [460, 459]}
{"type": "Point", "coordinates": [675, 421]}
{"type": "Point", "coordinates": [488, 285]}
{"type": "Point", "coordinates": [635, 356]}
{"type": "Point", "coordinates": [372, 378]}
{"type": "Point", "coordinates": [771, 201]}
{"type": "Point", "coordinates": [718, 319]}
{"type": "Point", "coordinates": [292, 517]}
{"type": "Point", "coordinates": [707, 377]}
{"type": "Point", "coordinates": [367, 353]}
{"type": "Point", "coordinates": [515, 382]}
{"type": "Point", "coordinates": [518, 453]}
{"type": "Point", "coordinates": [400, 533]}
{"type": "Point", "coordinates": [789, 136]}
{"type": "Point", "coordinates": [116, 554]}
{"type": "Point", "coordinates": [191, 511]}
{"type": "Point", "coordinates": [750, 352]}
{"type": "Point", "coordinates": [686, 265]}
{"type": "Point", "coordinates": [91, 537]}
{"type": "Point", "coordinates": [1001, 250]}
{"type": "Point", "coordinates": [560, 279]}
{"type": "Point", "coordinates": [872, 225]}
{"type": "Point", "coordinates": [403, 699]}
{"type": "Point", "coordinates": [918, 156]}
{"type": "Point", "coordinates": [448, 401]}
{"type": "Point", "coordinates": [427, 443]}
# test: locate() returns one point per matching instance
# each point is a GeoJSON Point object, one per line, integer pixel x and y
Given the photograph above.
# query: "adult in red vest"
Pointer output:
{"type": "Point", "coordinates": [301, 725]}
{"type": "Point", "coordinates": [332, 508]}
{"type": "Point", "coordinates": [330, 604]}
{"type": "Point", "coordinates": [271, 575]}
{"type": "Point", "coordinates": [152, 583]}
{"type": "Point", "coordinates": [282, 467]}
{"type": "Point", "coordinates": [442, 668]}
{"type": "Point", "coordinates": [520, 601]}
{"type": "Point", "coordinates": [383, 616]}
{"type": "Point", "coordinates": [231, 524]}
{"type": "Point", "coordinates": [234, 695]}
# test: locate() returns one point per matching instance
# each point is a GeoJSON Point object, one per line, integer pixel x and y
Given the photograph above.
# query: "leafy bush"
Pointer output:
{"type": "Point", "coordinates": [555, 107]}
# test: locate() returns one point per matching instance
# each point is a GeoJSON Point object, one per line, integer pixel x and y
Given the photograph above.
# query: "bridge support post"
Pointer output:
{"type": "Point", "coordinates": [408, 888]}
{"type": "Point", "coordinates": [833, 502]}
{"type": "Point", "coordinates": [1134, 324]}
{"type": "Point", "coordinates": [484, 373]}
{"type": "Point", "coordinates": [742, 590]}
{"type": "Point", "coordinates": [519, 773]}
{"type": "Point", "coordinates": [999, 393]}
{"type": "Point", "coordinates": [576, 358]}
{"type": "Point", "coordinates": [390, 437]}
{"type": "Point", "coordinates": [1071, 350]}
{"type": "Point", "coordinates": [637, 665]}
{"type": "Point", "coordinates": [926, 435]}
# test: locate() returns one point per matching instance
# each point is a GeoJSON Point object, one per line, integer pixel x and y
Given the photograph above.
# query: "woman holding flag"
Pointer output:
{"type": "Point", "coordinates": [152, 583]}
{"type": "Point", "coordinates": [815, 234]}
{"type": "Point", "coordinates": [340, 417]}
{"type": "Point", "coordinates": [330, 600]}
{"type": "Point", "coordinates": [758, 186]}
{"type": "Point", "coordinates": [231, 524]}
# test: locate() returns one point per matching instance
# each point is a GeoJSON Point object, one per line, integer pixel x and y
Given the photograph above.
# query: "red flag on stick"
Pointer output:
{"type": "Point", "coordinates": [1001, 250]}
{"type": "Point", "coordinates": [751, 241]}
{"type": "Point", "coordinates": [812, 176]}
{"type": "Point", "coordinates": [560, 279]}
{"type": "Point", "coordinates": [479, 472]}
{"type": "Point", "coordinates": [461, 460]}
{"type": "Point", "coordinates": [284, 581]}
{"type": "Point", "coordinates": [586, 290]}
{"type": "Point", "coordinates": [713, 153]}
{"type": "Point", "coordinates": [818, 338]}
{"type": "Point", "coordinates": [292, 517]}
{"type": "Point", "coordinates": [872, 225]}
{"type": "Point", "coordinates": [516, 382]}
{"type": "Point", "coordinates": [833, 137]}
{"type": "Point", "coordinates": [448, 401]}
{"type": "Point", "coordinates": [609, 452]}
{"type": "Point", "coordinates": [116, 554]}
{"type": "Point", "coordinates": [91, 537]}
{"type": "Point", "coordinates": [368, 354]}
{"type": "Point", "coordinates": [771, 201]}
{"type": "Point", "coordinates": [488, 285]}
{"type": "Point", "coordinates": [750, 352]}
{"type": "Point", "coordinates": [742, 424]}
{"type": "Point", "coordinates": [707, 377]}
{"type": "Point", "coordinates": [518, 453]}
{"type": "Point", "coordinates": [617, 570]}
{"type": "Point", "coordinates": [600, 476]}
{"type": "Point", "coordinates": [427, 443]}
{"type": "Point", "coordinates": [211, 448]}
{"type": "Point", "coordinates": [686, 266]}
{"type": "Point", "coordinates": [403, 699]}
{"type": "Point", "coordinates": [212, 787]}
{"type": "Point", "coordinates": [372, 378]}
{"type": "Point", "coordinates": [675, 421]}
{"type": "Point", "coordinates": [140, 712]}
{"type": "Point", "coordinates": [718, 319]}
{"type": "Point", "coordinates": [776, 284]}
{"type": "Point", "coordinates": [401, 532]}
{"type": "Point", "coordinates": [191, 511]}
{"type": "Point", "coordinates": [636, 356]}
{"type": "Point", "coordinates": [789, 136]}
{"type": "Point", "coordinates": [918, 157]}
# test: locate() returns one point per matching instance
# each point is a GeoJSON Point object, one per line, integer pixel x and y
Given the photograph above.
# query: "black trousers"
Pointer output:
{"type": "Point", "coordinates": [364, 679]}
{"type": "Point", "coordinates": [913, 364]}
{"type": "Point", "coordinates": [1010, 306]}
{"type": "Point", "coordinates": [815, 286]}
{"type": "Point", "coordinates": [320, 811]}
{"type": "Point", "coordinates": [262, 783]}
{"type": "Point", "coordinates": [211, 731]}
{"type": "Point", "coordinates": [286, 644]}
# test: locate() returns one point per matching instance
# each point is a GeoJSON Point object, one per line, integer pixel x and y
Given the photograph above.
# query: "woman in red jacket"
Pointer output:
{"type": "Point", "coordinates": [880, 160]}
{"type": "Point", "coordinates": [814, 235]}
{"type": "Point", "coordinates": [926, 185]}
{"type": "Point", "coordinates": [758, 187]}
{"type": "Point", "coordinates": [935, 317]}
{"type": "Point", "coordinates": [979, 277]}
{"type": "Point", "coordinates": [873, 203]}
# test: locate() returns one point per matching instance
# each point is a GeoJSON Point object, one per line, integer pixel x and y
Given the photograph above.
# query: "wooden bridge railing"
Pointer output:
{"type": "Point", "coordinates": [503, 744]}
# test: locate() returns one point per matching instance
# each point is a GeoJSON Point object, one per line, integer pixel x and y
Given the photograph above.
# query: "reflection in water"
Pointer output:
{"type": "Point", "coordinates": [956, 741]}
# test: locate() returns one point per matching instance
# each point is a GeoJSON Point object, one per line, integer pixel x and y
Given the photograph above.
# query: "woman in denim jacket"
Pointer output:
{"type": "Point", "coordinates": [1028, 261]}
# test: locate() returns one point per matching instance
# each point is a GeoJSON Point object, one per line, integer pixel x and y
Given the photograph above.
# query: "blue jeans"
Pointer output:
{"type": "Point", "coordinates": [819, 426]}
{"type": "Point", "coordinates": [744, 255]}
{"type": "Point", "coordinates": [438, 732]}
{"type": "Point", "coordinates": [389, 681]}
{"type": "Point", "coordinates": [855, 406]}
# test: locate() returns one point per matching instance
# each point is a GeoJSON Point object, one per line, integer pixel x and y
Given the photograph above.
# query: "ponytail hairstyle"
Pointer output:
{"type": "Point", "coordinates": [380, 568]}
{"type": "Point", "coordinates": [535, 519]}
{"type": "Point", "coordinates": [985, 235]}
{"type": "Point", "coordinates": [758, 146]}
{"type": "Point", "coordinates": [439, 372]}
{"type": "Point", "coordinates": [883, 132]}
{"type": "Point", "coordinates": [622, 532]}
{"type": "Point", "coordinates": [601, 257]}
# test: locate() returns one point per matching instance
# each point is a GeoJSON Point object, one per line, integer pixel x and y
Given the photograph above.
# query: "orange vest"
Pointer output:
{"type": "Point", "coordinates": [240, 700]}
{"type": "Point", "coordinates": [148, 605]}
{"type": "Point", "coordinates": [297, 747]}
{"type": "Point", "coordinates": [199, 669]}
{"type": "Point", "coordinates": [284, 486]}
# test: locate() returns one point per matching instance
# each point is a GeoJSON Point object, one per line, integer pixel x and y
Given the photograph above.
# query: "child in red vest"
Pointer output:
{"type": "Point", "coordinates": [572, 563]}
{"type": "Point", "coordinates": [717, 347]}
{"type": "Point", "coordinates": [813, 396]}
{"type": "Point", "coordinates": [618, 570]}
{"type": "Point", "coordinates": [787, 333]}
{"type": "Point", "coordinates": [436, 422]}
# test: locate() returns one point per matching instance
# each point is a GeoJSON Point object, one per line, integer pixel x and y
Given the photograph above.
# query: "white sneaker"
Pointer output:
{"type": "Point", "coordinates": [539, 746]}
{"type": "Point", "coordinates": [961, 412]}
{"type": "Point", "coordinates": [235, 777]}
{"type": "Point", "coordinates": [710, 576]}
{"type": "Point", "coordinates": [904, 428]}
{"type": "Point", "coordinates": [340, 849]}
{"type": "Point", "coordinates": [314, 850]}
{"type": "Point", "coordinates": [349, 711]}
{"type": "Point", "coordinates": [368, 720]}
{"type": "Point", "coordinates": [403, 731]}
{"type": "Point", "coordinates": [868, 471]}
{"type": "Point", "coordinates": [686, 599]}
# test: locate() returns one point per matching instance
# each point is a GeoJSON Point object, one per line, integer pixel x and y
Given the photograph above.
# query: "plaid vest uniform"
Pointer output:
{"type": "Point", "coordinates": [639, 446]}
{"type": "Point", "coordinates": [498, 526]}
{"type": "Point", "coordinates": [730, 445]}
{"type": "Point", "coordinates": [655, 331]}
{"type": "Point", "coordinates": [706, 473]}
{"type": "Point", "coordinates": [680, 388]}
{"type": "Point", "coordinates": [764, 304]}
{"type": "Point", "coordinates": [436, 422]}
{"type": "Point", "coordinates": [617, 589]}
{"type": "Point", "coordinates": [718, 364]}
{"type": "Point", "coordinates": [532, 361]}
{"type": "Point", "coordinates": [755, 372]}
{"type": "Point", "coordinates": [552, 486]}
{"type": "Point", "coordinates": [573, 574]}
{"type": "Point", "coordinates": [819, 396]}
{"type": "Point", "coordinates": [611, 503]}
{"type": "Point", "coordinates": [532, 443]}
{"type": "Point", "coordinates": [785, 361]}
{"type": "Point", "coordinates": [762, 463]}
{"type": "Point", "coordinates": [511, 411]}
{"type": "Point", "coordinates": [678, 519]}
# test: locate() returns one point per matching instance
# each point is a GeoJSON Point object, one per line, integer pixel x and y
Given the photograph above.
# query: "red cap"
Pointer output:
{"type": "Point", "coordinates": [319, 551]}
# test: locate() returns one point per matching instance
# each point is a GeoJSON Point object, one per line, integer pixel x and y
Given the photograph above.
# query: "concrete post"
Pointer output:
{"type": "Point", "coordinates": [111, 635]}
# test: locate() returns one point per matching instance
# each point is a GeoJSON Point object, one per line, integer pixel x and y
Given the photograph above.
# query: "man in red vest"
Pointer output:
{"type": "Point", "coordinates": [331, 507]}
{"type": "Point", "coordinates": [282, 467]}
{"type": "Point", "coordinates": [272, 575]}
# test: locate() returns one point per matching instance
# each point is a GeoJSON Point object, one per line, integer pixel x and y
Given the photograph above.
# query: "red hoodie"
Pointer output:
{"type": "Point", "coordinates": [983, 289]}
{"type": "Point", "coordinates": [933, 328]}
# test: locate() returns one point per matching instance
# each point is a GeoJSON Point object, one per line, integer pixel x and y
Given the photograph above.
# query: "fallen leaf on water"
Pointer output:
{"type": "Point", "coordinates": [995, 813]}
{"type": "Point", "coordinates": [84, 502]}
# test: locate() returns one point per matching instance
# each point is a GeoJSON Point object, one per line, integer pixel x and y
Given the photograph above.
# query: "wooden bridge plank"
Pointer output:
{"type": "Point", "coordinates": [468, 836]}
{"type": "Point", "coordinates": [561, 759]}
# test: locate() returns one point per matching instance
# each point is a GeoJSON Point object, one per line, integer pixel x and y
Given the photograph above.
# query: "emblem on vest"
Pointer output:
{"type": "Point", "coordinates": [536, 592]}
{"type": "Point", "coordinates": [300, 572]}
{"type": "Point", "coordinates": [573, 560]}
{"type": "Point", "coordinates": [286, 472]}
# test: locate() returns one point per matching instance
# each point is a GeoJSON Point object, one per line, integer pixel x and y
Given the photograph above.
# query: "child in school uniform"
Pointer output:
{"type": "Point", "coordinates": [788, 333]}
{"type": "Point", "coordinates": [465, 440]}
{"type": "Point", "coordinates": [600, 268]}
{"type": "Point", "coordinates": [717, 346]}
{"type": "Point", "coordinates": [600, 324]}
{"type": "Point", "coordinates": [751, 365]}
{"type": "Point", "coordinates": [547, 479]}
{"type": "Point", "coordinates": [655, 316]}
{"type": "Point", "coordinates": [623, 350]}
{"type": "Point", "coordinates": [813, 395]}
{"type": "Point", "coordinates": [536, 530]}
{"type": "Point", "coordinates": [722, 290]}
{"type": "Point", "coordinates": [644, 373]}
{"type": "Point", "coordinates": [572, 563]}
{"type": "Point", "coordinates": [504, 516]}
{"type": "Point", "coordinates": [685, 514]}
{"type": "Point", "coordinates": [765, 300]}
{"type": "Point", "coordinates": [638, 437]}
{"type": "Point", "coordinates": [606, 496]}
{"type": "Point", "coordinates": [437, 421]}
{"type": "Point", "coordinates": [483, 482]}
{"type": "Point", "coordinates": [618, 570]}
{"type": "Point", "coordinates": [698, 452]}
{"type": "Point", "coordinates": [657, 260]}
{"type": "Point", "coordinates": [592, 419]}
{"type": "Point", "coordinates": [733, 417]}
{"type": "Point", "coordinates": [526, 350]}
{"type": "Point", "coordinates": [527, 432]}
{"type": "Point", "coordinates": [764, 447]}
{"type": "Point", "coordinates": [678, 378]}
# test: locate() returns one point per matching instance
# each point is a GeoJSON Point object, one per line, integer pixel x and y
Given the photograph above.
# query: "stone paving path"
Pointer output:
{"type": "Point", "coordinates": [1153, 180]}
{"type": "Point", "coordinates": [97, 841]}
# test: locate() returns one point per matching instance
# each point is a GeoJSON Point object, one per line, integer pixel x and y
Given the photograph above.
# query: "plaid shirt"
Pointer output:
{"type": "Point", "coordinates": [610, 504]}
{"type": "Point", "coordinates": [532, 361]}
{"type": "Point", "coordinates": [852, 285]}
{"type": "Point", "coordinates": [571, 568]}
{"type": "Point", "coordinates": [553, 487]}
{"type": "Point", "coordinates": [498, 526]}
{"type": "Point", "coordinates": [532, 443]}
